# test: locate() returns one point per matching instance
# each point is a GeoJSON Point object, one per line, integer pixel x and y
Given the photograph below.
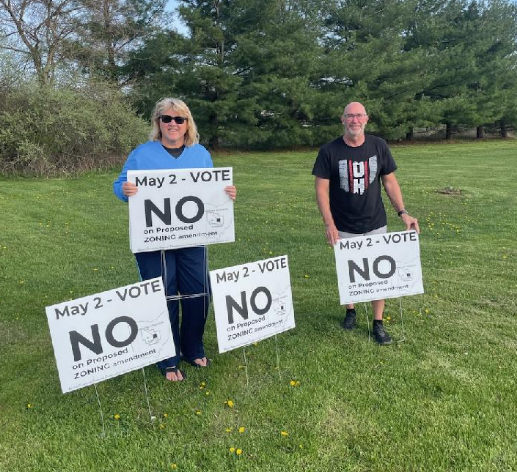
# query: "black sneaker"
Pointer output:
{"type": "Point", "coordinates": [349, 321]}
{"type": "Point", "coordinates": [380, 334]}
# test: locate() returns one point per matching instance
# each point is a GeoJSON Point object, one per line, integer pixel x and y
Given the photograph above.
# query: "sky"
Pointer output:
{"type": "Point", "coordinates": [172, 5]}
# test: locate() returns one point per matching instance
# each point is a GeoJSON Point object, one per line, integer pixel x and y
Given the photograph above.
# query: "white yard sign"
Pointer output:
{"type": "Point", "coordinates": [378, 266]}
{"type": "Point", "coordinates": [180, 208]}
{"type": "Point", "coordinates": [252, 302]}
{"type": "Point", "coordinates": [104, 335]}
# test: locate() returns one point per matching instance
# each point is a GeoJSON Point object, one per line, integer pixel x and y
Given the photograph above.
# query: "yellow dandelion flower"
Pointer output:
{"type": "Point", "coordinates": [203, 384]}
{"type": "Point", "coordinates": [117, 416]}
{"type": "Point", "coordinates": [242, 429]}
{"type": "Point", "coordinates": [292, 383]}
{"type": "Point", "coordinates": [230, 404]}
{"type": "Point", "coordinates": [306, 276]}
{"type": "Point", "coordinates": [174, 466]}
{"type": "Point", "coordinates": [284, 434]}
{"type": "Point", "coordinates": [238, 452]}
{"type": "Point", "coordinates": [229, 430]}
{"type": "Point", "coordinates": [29, 405]}
{"type": "Point", "coordinates": [427, 310]}
{"type": "Point", "coordinates": [232, 450]}
{"type": "Point", "coordinates": [198, 412]}
{"type": "Point", "coordinates": [207, 392]}
{"type": "Point", "coordinates": [165, 415]}
{"type": "Point", "coordinates": [301, 446]}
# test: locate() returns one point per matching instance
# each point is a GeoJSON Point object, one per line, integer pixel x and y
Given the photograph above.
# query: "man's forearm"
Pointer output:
{"type": "Point", "coordinates": [394, 193]}
{"type": "Point", "coordinates": [323, 200]}
{"type": "Point", "coordinates": [392, 188]}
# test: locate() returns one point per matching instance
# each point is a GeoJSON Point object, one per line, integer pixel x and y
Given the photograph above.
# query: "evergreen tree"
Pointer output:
{"type": "Point", "coordinates": [472, 49]}
{"type": "Point", "coordinates": [107, 30]}
{"type": "Point", "coordinates": [495, 84]}
{"type": "Point", "coordinates": [367, 48]}
{"type": "Point", "coordinates": [153, 70]}
{"type": "Point", "coordinates": [279, 72]}
{"type": "Point", "coordinates": [248, 70]}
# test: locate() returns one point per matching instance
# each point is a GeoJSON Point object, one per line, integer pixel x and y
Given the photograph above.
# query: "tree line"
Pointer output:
{"type": "Point", "coordinates": [274, 73]}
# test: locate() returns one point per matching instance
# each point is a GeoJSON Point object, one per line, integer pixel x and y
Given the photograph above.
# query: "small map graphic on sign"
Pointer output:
{"type": "Point", "coordinates": [214, 218]}
{"type": "Point", "coordinates": [279, 306]}
{"type": "Point", "coordinates": [407, 273]}
{"type": "Point", "coordinates": [150, 336]}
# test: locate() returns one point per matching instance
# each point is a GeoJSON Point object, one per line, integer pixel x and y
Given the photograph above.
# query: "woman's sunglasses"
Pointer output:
{"type": "Point", "coordinates": [178, 119]}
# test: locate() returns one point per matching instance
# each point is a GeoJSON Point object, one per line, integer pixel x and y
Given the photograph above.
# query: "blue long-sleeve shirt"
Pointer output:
{"type": "Point", "coordinates": [153, 156]}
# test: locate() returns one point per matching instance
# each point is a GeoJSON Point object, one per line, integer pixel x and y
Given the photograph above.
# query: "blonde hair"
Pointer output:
{"type": "Point", "coordinates": [179, 106]}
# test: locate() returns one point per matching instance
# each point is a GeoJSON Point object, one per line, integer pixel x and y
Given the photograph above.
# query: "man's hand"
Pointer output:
{"type": "Point", "coordinates": [332, 234]}
{"type": "Point", "coordinates": [410, 222]}
{"type": "Point", "coordinates": [129, 189]}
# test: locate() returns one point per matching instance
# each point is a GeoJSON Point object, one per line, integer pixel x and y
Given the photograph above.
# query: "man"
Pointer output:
{"type": "Point", "coordinates": [348, 172]}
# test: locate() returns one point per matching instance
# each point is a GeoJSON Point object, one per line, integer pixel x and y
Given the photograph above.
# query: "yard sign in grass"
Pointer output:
{"type": "Point", "coordinates": [180, 208]}
{"type": "Point", "coordinates": [378, 266]}
{"type": "Point", "coordinates": [101, 336]}
{"type": "Point", "coordinates": [252, 302]}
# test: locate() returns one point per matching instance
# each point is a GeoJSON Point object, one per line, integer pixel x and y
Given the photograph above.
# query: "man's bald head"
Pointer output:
{"type": "Point", "coordinates": [354, 120]}
{"type": "Point", "coordinates": [355, 107]}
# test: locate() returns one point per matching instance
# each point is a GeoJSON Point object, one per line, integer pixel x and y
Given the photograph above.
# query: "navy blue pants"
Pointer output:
{"type": "Point", "coordinates": [185, 272]}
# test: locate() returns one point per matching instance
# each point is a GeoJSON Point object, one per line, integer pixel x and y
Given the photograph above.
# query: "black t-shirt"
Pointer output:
{"type": "Point", "coordinates": [355, 188]}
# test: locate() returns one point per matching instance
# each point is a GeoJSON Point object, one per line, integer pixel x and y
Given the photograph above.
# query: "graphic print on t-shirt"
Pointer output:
{"type": "Point", "coordinates": [356, 176]}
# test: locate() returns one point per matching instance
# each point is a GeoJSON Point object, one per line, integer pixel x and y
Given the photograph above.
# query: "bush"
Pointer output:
{"type": "Point", "coordinates": [49, 131]}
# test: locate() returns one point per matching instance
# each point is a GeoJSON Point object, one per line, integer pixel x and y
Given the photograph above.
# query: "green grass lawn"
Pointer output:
{"type": "Point", "coordinates": [443, 400]}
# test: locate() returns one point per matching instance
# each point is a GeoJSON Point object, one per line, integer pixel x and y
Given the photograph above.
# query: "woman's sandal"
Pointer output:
{"type": "Point", "coordinates": [175, 370]}
{"type": "Point", "coordinates": [194, 364]}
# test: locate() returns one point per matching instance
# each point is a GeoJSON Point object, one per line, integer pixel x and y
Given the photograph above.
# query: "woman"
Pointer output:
{"type": "Point", "coordinates": [174, 144]}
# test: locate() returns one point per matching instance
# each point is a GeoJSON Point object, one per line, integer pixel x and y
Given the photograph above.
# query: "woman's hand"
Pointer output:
{"type": "Point", "coordinates": [129, 189]}
{"type": "Point", "coordinates": [231, 191]}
